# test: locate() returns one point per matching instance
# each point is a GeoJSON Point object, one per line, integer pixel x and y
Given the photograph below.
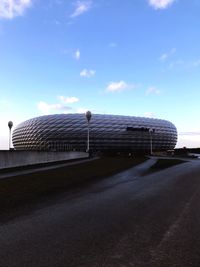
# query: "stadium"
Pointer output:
{"type": "Point", "coordinates": [66, 132]}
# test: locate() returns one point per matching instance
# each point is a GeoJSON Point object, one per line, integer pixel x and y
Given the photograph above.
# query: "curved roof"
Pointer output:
{"type": "Point", "coordinates": [39, 132]}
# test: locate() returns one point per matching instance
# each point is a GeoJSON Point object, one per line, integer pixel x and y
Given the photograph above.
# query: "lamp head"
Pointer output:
{"type": "Point", "coordinates": [10, 124]}
{"type": "Point", "coordinates": [88, 115]}
{"type": "Point", "coordinates": [151, 130]}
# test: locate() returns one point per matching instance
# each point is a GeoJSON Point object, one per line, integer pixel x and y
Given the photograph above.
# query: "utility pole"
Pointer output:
{"type": "Point", "coordinates": [88, 115]}
{"type": "Point", "coordinates": [10, 125]}
{"type": "Point", "coordinates": [151, 131]}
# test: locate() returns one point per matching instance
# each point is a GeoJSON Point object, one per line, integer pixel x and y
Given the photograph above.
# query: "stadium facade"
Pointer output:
{"type": "Point", "coordinates": [63, 132]}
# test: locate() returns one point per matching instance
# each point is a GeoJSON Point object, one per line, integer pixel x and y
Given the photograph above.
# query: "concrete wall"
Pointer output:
{"type": "Point", "coordinates": [14, 158]}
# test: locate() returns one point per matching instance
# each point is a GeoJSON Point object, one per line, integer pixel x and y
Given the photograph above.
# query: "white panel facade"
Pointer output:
{"type": "Point", "coordinates": [62, 132]}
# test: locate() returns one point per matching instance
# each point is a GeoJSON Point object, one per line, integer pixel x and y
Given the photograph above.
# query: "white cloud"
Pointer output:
{"type": "Point", "coordinates": [56, 22]}
{"type": "Point", "coordinates": [12, 8]}
{"type": "Point", "coordinates": [68, 100]}
{"type": "Point", "coordinates": [81, 110]}
{"type": "Point", "coordinates": [163, 57]}
{"type": "Point", "coordinates": [117, 86]}
{"type": "Point", "coordinates": [112, 44]}
{"type": "Point", "coordinates": [196, 63]}
{"type": "Point", "coordinates": [184, 65]}
{"type": "Point", "coordinates": [166, 55]}
{"type": "Point", "coordinates": [81, 7]}
{"type": "Point", "coordinates": [87, 73]}
{"type": "Point", "coordinates": [160, 4]}
{"type": "Point", "coordinates": [178, 64]}
{"type": "Point", "coordinates": [152, 90]}
{"type": "Point", "coordinates": [46, 108]}
{"type": "Point", "coordinates": [93, 111]}
{"type": "Point", "coordinates": [187, 140]}
{"type": "Point", "coordinates": [77, 54]}
{"type": "Point", "coordinates": [43, 107]}
{"type": "Point", "coordinates": [149, 114]}
{"type": "Point", "coordinates": [5, 104]}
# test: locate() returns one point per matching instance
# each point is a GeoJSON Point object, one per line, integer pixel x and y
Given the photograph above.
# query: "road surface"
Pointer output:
{"type": "Point", "coordinates": [126, 220]}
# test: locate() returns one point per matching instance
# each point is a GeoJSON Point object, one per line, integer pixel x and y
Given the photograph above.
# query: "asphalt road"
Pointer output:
{"type": "Point", "coordinates": [125, 220]}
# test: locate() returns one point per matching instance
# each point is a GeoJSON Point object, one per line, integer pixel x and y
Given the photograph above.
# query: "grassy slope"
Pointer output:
{"type": "Point", "coordinates": [165, 163]}
{"type": "Point", "coordinates": [27, 188]}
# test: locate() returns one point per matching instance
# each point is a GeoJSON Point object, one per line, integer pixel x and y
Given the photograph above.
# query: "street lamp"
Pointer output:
{"type": "Point", "coordinates": [10, 125]}
{"type": "Point", "coordinates": [150, 134]}
{"type": "Point", "coordinates": [88, 115]}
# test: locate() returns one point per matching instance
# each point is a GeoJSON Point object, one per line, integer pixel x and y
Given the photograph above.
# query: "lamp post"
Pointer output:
{"type": "Point", "coordinates": [150, 134]}
{"type": "Point", "coordinates": [88, 115]}
{"type": "Point", "coordinates": [10, 125]}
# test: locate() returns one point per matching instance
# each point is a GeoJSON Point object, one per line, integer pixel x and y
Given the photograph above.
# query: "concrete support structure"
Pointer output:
{"type": "Point", "coordinates": [9, 159]}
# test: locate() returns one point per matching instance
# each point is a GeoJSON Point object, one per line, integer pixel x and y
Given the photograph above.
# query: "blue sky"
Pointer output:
{"type": "Point", "coordinates": [131, 57]}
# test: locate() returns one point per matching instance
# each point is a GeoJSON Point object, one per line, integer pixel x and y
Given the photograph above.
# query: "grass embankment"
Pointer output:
{"type": "Point", "coordinates": [164, 163]}
{"type": "Point", "coordinates": [29, 188]}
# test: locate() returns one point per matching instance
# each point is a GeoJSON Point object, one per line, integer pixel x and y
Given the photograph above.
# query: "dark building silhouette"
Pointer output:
{"type": "Point", "coordinates": [62, 132]}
